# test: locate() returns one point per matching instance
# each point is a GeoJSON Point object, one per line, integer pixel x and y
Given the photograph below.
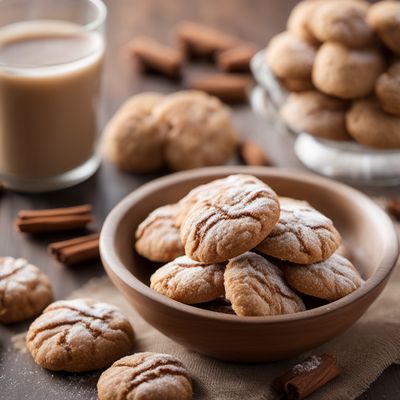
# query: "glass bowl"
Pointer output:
{"type": "Point", "coordinates": [346, 161]}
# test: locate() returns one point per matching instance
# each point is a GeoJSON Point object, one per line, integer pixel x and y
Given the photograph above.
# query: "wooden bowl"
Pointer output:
{"type": "Point", "coordinates": [367, 232]}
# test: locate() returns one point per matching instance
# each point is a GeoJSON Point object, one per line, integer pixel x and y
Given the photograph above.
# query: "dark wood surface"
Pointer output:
{"type": "Point", "coordinates": [255, 20]}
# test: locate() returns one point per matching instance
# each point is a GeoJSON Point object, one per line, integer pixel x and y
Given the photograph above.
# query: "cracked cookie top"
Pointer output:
{"type": "Point", "coordinates": [158, 237]}
{"type": "Point", "coordinates": [303, 236]}
{"type": "Point", "coordinates": [331, 279]}
{"type": "Point", "coordinates": [189, 281]}
{"type": "Point", "coordinates": [79, 335]}
{"type": "Point", "coordinates": [231, 221]}
{"type": "Point", "coordinates": [256, 287]}
{"type": "Point", "coordinates": [149, 376]}
{"type": "Point", "coordinates": [24, 290]}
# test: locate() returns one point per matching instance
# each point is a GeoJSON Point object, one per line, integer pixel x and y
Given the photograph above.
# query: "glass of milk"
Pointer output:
{"type": "Point", "coordinates": [51, 55]}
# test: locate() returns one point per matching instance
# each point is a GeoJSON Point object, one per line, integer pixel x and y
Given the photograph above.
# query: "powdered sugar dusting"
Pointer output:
{"type": "Point", "coordinates": [308, 365]}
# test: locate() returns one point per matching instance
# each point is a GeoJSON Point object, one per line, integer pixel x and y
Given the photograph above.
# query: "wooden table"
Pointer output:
{"type": "Point", "coordinates": [256, 20]}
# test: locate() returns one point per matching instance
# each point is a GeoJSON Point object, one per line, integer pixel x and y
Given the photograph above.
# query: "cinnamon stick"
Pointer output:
{"type": "Point", "coordinates": [54, 220]}
{"type": "Point", "coordinates": [307, 377]}
{"type": "Point", "coordinates": [236, 59]}
{"type": "Point", "coordinates": [252, 154]}
{"type": "Point", "coordinates": [393, 208]}
{"type": "Point", "coordinates": [198, 40]}
{"type": "Point", "coordinates": [154, 56]}
{"type": "Point", "coordinates": [77, 250]}
{"type": "Point", "coordinates": [230, 88]}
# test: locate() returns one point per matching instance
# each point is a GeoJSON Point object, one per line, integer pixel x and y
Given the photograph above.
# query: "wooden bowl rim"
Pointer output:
{"type": "Point", "coordinates": [113, 263]}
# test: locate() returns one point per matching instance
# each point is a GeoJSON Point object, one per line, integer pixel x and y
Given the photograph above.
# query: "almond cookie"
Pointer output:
{"type": "Point", "coordinates": [24, 290]}
{"type": "Point", "coordinates": [317, 114]}
{"type": "Point", "coordinates": [132, 140]}
{"type": "Point", "coordinates": [330, 280]}
{"type": "Point", "coordinates": [372, 127]}
{"type": "Point", "coordinates": [189, 281]}
{"type": "Point", "coordinates": [79, 335]}
{"type": "Point", "coordinates": [342, 21]}
{"type": "Point", "coordinates": [290, 57]}
{"type": "Point", "coordinates": [387, 90]}
{"type": "Point", "coordinates": [299, 19]}
{"type": "Point", "coordinates": [303, 235]}
{"type": "Point", "coordinates": [198, 130]}
{"type": "Point", "coordinates": [145, 376]}
{"type": "Point", "coordinates": [346, 73]}
{"type": "Point", "coordinates": [158, 237]}
{"type": "Point", "coordinates": [384, 18]}
{"type": "Point", "coordinates": [256, 287]}
{"type": "Point", "coordinates": [230, 223]}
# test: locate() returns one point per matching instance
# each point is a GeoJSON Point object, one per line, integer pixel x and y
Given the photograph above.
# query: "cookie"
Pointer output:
{"type": "Point", "coordinates": [79, 335]}
{"type": "Point", "coordinates": [230, 223]}
{"type": "Point", "coordinates": [346, 73]}
{"type": "Point", "coordinates": [256, 287]}
{"type": "Point", "coordinates": [330, 280]}
{"type": "Point", "coordinates": [387, 90]}
{"type": "Point", "coordinates": [198, 130]}
{"type": "Point", "coordinates": [303, 235]}
{"type": "Point", "coordinates": [384, 18]}
{"type": "Point", "coordinates": [290, 57]}
{"type": "Point", "coordinates": [24, 290]}
{"type": "Point", "coordinates": [158, 236]}
{"type": "Point", "coordinates": [189, 281]}
{"type": "Point", "coordinates": [132, 139]}
{"type": "Point", "coordinates": [343, 22]}
{"type": "Point", "coordinates": [297, 85]}
{"type": "Point", "coordinates": [299, 19]}
{"type": "Point", "coordinates": [317, 114]}
{"type": "Point", "coordinates": [145, 376]}
{"type": "Point", "coordinates": [371, 126]}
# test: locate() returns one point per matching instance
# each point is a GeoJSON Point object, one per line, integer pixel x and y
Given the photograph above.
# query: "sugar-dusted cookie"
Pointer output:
{"type": "Point", "coordinates": [316, 113]}
{"type": "Point", "coordinates": [158, 236]}
{"type": "Point", "coordinates": [331, 279]}
{"type": "Point", "coordinates": [346, 73]}
{"type": "Point", "coordinates": [384, 17]}
{"type": "Point", "coordinates": [290, 57]}
{"type": "Point", "coordinates": [256, 287]}
{"type": "Point", "coordinates": [189, 281]}
{"type": "Point", "coordinates": [132, 139]}
{"type": "Point", "coordinates": [387, 90]}
{"type": "Point", "coordinates": [79, 335]}
{"type": "Point", "coordinates": [24, 290]}
{"type": "Point", "coordinates": [371, 126]}
{"type": "Point", "coordinates": [342, 21]}
{"type": "Point", "coordinates": [303, 235]}
{"type": "Point", "coordinates": [145, 376]}
{"type": "Point", "coordinates": [198, 130]}
{"type": "Point", "coordinates": [231, 222]}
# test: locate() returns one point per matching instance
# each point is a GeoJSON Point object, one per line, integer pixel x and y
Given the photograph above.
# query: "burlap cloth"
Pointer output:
{"type": "Point", "coordinates": [363, 352]}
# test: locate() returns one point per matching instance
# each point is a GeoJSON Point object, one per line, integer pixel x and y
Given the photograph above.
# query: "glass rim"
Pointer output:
{"type": "Point", "coordinates": [89, 27]}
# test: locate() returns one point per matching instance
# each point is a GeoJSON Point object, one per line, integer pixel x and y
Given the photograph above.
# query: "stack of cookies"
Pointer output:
{"type": "Point", "coordinates": [233, 246]}
{"type": "Point", "coordinates": [188, 129]}
{"type": "Point", "coordinates": [339, 60]}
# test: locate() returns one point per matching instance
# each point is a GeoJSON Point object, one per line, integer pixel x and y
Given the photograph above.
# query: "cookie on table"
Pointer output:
{"type": "Point", "coordinates": [346, 73]}
{"type": "Point", "coordinates": [342, 21]}
{"type": "Point", "coordinates": [303, 236]}
{"type": "Point", "coordinates": [198, 130]}
{"type": "Point", "coordinates": [371, 126]}
{"type": "Point", "coordinates": [316, 113]}
{"type": "Point", "coordinates": [384, 17]}
{"type": "Point", "coordinates": [24, 290]}
{"type": "Point", "coordinates": [189, 281]}
{"type": "Point", "coordinates": [256, 287]}
{"type": "Point", "coordinates": [290, 57]}
{"type": "Point", "coordinates": [230, 223]}
{"type": "Point", "coordinates": [132, 139]}
{"type": "Point", "coordinates": [147, 376]}
{"type": "Point", "coordinates": [79, 335]}
{"type": "Point", "coordinates": [158, 236]}
{"type": "Point", "coordinates": [387, 89]}
{"type": "Point", "coordinates": [330, 280]}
